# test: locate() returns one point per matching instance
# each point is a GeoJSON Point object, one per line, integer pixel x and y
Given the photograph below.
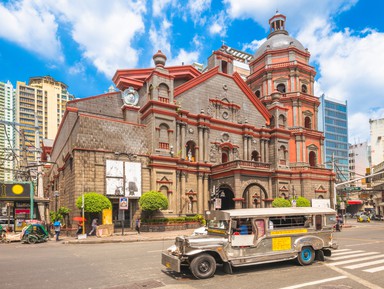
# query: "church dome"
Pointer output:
{"type": "Point", "coordinates": [278, 37]}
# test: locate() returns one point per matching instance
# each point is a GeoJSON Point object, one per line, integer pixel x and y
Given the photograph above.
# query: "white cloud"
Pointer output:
{"type": "Point", "coordinates": [219, 24]}
{"type": "Point", "coordinates": [253, 46]}
{"type": "Point", "coordinates": [32, 28]}
{"type": "Point", "coordinates": [77, 68]}
{"type": "Point", "coordinates": [196, 8]}
{"type": "Point", "coordinates": [350, 64]}
{"type": "Point", "coordinates": [184, 57]}
{"type": "Point", "coordinates": [159, 7]}
{"type": "Point", "coordinates": [105, 33]}
{"type": "Point", "coordinates": [160, 37]}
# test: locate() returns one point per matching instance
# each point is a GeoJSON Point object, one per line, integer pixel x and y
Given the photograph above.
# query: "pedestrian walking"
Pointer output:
{"type": "Point", "coordinates": [138, 225]}
{"type": "Point", "coordinates": [57, 227]}
{"type": "Point", "coordinates": [94, 227]}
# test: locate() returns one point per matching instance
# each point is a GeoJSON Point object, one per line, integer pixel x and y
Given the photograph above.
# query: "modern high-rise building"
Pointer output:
{"type": "Point", "coordinates": [358, 161]}
{"type": "Point", "coordinates": [333, 121]}
{"type": "Point", "coordinates": [377, 141]}
{"type": "Point", "coordinates": [40, 106]}
{"type": "Point", "coordinates": [7, 132]}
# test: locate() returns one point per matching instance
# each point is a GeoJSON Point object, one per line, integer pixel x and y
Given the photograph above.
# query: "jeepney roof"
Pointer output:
{"type": "Point", "coordinates": [266, 212]}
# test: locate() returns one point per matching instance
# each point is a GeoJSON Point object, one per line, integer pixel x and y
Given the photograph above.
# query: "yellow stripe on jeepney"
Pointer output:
{"type": "Point", "coordinates": [289, 232]}
{"type": "Point", "coordinates": [216, 231]}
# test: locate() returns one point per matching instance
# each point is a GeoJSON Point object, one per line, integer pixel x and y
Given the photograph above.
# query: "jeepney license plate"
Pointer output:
{"type": "Point", "coordinates": [170, 261]}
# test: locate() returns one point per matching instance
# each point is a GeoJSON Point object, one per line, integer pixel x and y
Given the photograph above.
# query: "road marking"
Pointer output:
{"type": "Point", "coordinates": [355, 260]}
{"type": "Point", "coordinates": [346, 253]}
{"type": "Point", "coordinates": [315, 282]}
{"type": "Point", "coordinates": [373, 270]}
{"type": "Point", "coordinates": [349, 256]}
{"type": "Point", "coordinates": [362, 244]}
{"type": "Point", "coordinates": [155, 251]}
{"type": "Point", "coordinates": [366, 264]}
{"type": "Point", "coordinates": [353, 277]}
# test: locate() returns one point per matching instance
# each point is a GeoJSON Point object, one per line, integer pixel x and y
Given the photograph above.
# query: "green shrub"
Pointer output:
{"type": "Point", "coordinates": [302, 202]}
{"type": "Point", "coordinates": [94, 203]}
{"type": "Point", "coordinates": [281, 202]}
{"type": "Point", "coordinates": [152, 201]}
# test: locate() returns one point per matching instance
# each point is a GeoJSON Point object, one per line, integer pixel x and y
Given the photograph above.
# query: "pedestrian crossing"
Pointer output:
{"type": "Point", "coordinates": [370, 262]}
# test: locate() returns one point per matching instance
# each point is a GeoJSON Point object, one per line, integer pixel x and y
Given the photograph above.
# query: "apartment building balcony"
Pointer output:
{"type": "Point", "coordinates": [241, 164]}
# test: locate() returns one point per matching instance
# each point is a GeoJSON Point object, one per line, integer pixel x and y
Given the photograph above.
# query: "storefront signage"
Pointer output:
{"type": "Point", "coordinates": [15, 191]}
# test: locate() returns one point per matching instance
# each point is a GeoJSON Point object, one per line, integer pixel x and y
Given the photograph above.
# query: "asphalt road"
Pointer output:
{"type": "Point", "coordinates": [358, 263]}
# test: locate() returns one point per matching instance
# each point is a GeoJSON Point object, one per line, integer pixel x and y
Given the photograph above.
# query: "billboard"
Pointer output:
{"type": "Point", "coordinates": [321, 203]}
{"type": "Point", "coordinates": [16, 191]}
{"type": "Point", "coordinates": [123, 179]}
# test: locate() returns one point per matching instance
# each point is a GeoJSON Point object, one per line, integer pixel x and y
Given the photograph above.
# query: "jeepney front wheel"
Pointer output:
{"type": "Point", "coordinates": [203, 266]}
{"type": "Point", "coordinates": [306, 256]}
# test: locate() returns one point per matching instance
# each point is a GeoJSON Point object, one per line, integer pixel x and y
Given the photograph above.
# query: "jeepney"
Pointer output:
{"type": "Point", "coordinates": [244, 237]}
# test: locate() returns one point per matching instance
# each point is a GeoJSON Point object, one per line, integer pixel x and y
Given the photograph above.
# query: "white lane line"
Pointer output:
{"type": "Point", "coordinates": [315, 282]}
{"type": "Point", "coordinates": [356, 260]}
{"type": "Point", "coordinates": [346, 253]}
{"type": "Point", "coordinates": [373, 270]}
{"type": "Point", "coordinates": [366, 264]}
{"type": "Point", "coordinates": [155, 251]}
{"type": "Point", "coordinates": [354, 278]}
{"type": "Point", "coordinates": [349, 256]}
{"type": "Point", "coordinates": [353, 245]}
{"type": "Point", "coordinates": [341, 250]}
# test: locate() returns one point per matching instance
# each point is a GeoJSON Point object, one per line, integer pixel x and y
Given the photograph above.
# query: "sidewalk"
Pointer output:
{"type": "Point", "coordinates": [129, 236]}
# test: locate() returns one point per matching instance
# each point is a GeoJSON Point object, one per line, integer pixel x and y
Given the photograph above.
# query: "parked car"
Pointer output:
{"type": "Point", "coordinates": [363, 218]}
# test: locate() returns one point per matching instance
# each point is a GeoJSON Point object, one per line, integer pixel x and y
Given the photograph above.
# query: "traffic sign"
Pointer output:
{"type": "Point", "coordinates": [353, 188]}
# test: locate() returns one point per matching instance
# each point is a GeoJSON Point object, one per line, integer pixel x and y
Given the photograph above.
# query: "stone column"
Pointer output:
{"type": "Point", "coordinates": [249, 152]}
{"type": "Point", "coordinates": [205, 137]}
{"type": "Point", "coordinates": [245, 147]}
{"type": "Point", "coordinates": [200, 194]}
{"type": "Point", "coordinates": [182, 190]}
{"type": "Point", "coordinates": [205, 193]}
{"type": "Point", "coordinates": [177, 149]}
{"type": "Point", "coordinates": [183, 151]}
{"type": "Point", "coordinates": [201, 144]}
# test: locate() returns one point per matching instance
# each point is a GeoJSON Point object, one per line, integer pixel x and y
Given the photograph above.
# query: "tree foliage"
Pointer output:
{"type": "Point", "coordinates": [302, 202]}
{"type": "Point", "coordinates": [60, 214]}
{"type": "Point", "coordinates": [152, 201]}
{"type": "Point", "coordinates": [280, 203]}
{"type": "Point", "coordinates": [94, 202]}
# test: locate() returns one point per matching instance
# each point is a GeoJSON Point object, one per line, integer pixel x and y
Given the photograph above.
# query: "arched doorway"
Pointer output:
{"type": "Point", "coordinates": [312, 159]}
{"type": "Point", "coordinates": [255, 196]}
{"type": "Point", "coordinates": [226, 195]}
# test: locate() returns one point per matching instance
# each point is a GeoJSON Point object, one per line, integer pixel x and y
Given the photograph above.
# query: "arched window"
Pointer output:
{"type": "Point", "coordinates": [225, 156]}
{"type": "Point", "coordinates": [191, 151]}
{"type": "Point", "coordinates": [224, 67]}
{"type": "Point", "coordinates": [164, 93]}
{"type": "Point", "coordinates": [312, 159]}
{"type": "Point", "coordinates": [320, 197]}
{"type": "Point", "coordinates": [281, 121]}
{"type": "Point", "coordinates": [163, 136]}
{"type": "Point", "coordinates": [165, 192]}
{"type": "Point", "coordinates": [281, 87]}
{"type": "Point", "coordinates": [283, 155]}
{"type": "Point", "coordinates": [304, 88]}
{"type": "Point", "coordinates": [308, 122]}
{"type": "Point", "coordinates": [257, 93]}
{"type": "Point", "coordinates": [255, 156]}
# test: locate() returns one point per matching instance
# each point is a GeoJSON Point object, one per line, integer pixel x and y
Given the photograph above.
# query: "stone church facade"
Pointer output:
{"type": "Point", "coordinates": [204, 140]}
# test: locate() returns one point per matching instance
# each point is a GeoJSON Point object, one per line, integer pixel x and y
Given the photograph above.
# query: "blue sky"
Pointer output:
{"type": "Point", "coordinates": [82, 43]}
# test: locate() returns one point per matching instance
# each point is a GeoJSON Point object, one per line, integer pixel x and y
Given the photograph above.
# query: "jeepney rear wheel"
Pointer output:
{"type": "Point", "coordinates": [306, 256]}
{"type": "Point", "coordinates": [203, 266]}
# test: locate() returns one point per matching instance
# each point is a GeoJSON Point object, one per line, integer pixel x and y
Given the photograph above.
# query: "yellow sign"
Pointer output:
{"type": "Point", "coordinates": [107, 216]}
{"type": "Point", "coordinates": [281, 244]}
{"type": "Point", "coordinates": [289, 232]}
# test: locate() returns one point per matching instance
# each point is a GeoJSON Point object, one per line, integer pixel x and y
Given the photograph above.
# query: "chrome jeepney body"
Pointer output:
{"type": "Point", "coordinates": [254, 236]}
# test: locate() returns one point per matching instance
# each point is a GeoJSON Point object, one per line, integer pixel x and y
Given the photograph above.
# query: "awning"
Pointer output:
{"type": "Point", "coordinates": [355, 202]}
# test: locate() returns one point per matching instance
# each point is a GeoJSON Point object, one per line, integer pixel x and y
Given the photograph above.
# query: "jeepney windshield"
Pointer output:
{"type": "Point", "coordinates": [330, 220]}
{"type": "Point", "coordinates": [217, 224]}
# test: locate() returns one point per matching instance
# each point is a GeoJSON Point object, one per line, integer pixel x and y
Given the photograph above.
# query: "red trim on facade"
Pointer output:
{"type": "Point", "coordinates": [257, 103]}
{"type": "Point", "coordinates": [130, 107]}
{"type": "Point", "coordinates": [196, 81]}
{"type": "Point", "coordinates": [239, 199]}
{"type": "Point", "coordinates": [354, 202]}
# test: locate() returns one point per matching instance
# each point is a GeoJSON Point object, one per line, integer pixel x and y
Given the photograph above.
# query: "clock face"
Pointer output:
{"type": "Point", "coordinates": [130, 96]}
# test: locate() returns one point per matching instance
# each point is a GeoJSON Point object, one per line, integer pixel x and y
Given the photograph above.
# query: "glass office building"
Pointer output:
{"type": "Point", "coordinates": [333, 121]}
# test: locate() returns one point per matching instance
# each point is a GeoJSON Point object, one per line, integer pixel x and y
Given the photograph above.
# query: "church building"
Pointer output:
{"type": "Point", "coordinates": [205, 140]}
